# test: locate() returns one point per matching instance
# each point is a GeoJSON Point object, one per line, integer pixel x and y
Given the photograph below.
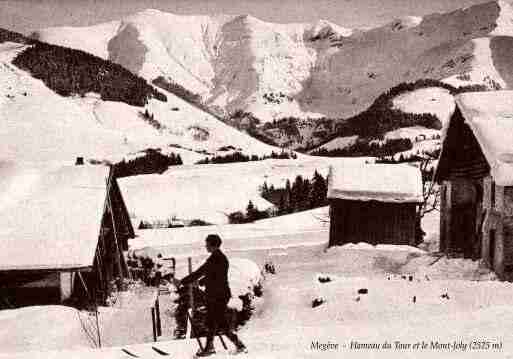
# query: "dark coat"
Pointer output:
{"type": "Point", "coordinates": [215, 276]}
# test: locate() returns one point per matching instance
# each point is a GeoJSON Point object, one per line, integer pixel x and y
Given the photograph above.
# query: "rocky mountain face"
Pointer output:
{"type": "Point", "coordinates": [302, 70]}
{"type": "Point", "coordinates": [58, 104]}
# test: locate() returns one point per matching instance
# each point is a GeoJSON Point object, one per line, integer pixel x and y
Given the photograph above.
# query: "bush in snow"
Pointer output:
{"type": "Point", "coordinates": [252, 214]}
{"type": "Point", "coordinates": [150, 269]}
{"type": "Point", "coordinates": [198, 222]}
{"type": "Point", "coordinates": [269, 267]}
{"type": "Point", "coordinates": [237, 218]}
{"type": "Point", "coordinates": [317, 302]}
{"type": "Point", "coordinates": [324, 278]}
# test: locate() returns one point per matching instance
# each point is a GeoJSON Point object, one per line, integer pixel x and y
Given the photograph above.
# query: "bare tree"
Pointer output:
{"type": "Point", "coordinates": [430, 190]}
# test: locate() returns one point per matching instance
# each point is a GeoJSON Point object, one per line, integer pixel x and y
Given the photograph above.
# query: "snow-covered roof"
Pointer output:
{"type": "Point", "coordinates": [209, 193]}
{"type": "Point", "coordinates": [377, 182]}
{"type": "Point", "coordinates": [50, 217]}
{"type": "Point", "coordinates": [490, 117]}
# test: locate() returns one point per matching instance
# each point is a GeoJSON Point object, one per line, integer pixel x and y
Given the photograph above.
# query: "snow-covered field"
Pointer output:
{"type": "Point", "coordinates": [321, 302]}
{"type": "Point", "coordinates": [40, 125]}
{"type": "Point", "coordinates": [304, 228]}
{"type": "Point", "coordinates": [339, 143]}
{"type": "Point", "coordinates": [211, 192]}
{"type": "Point", "coordinates": [369, 295]}
{"type": "Point", "coordinates": [434, 100]}
{"type": "Point", "coordinates": [374, 294]}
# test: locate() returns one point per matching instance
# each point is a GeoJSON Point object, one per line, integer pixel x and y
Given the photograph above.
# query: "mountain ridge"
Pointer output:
{"type": "Point", "coordinates": [239, 62]}
{"type": "Point", "coordinates": [57, 104]}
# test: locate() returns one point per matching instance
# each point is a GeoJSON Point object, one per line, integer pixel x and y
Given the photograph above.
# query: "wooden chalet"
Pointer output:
{"type": "Point", "coordinates": [62, 233]}
{"type": "Point", "coordinates": [377, 204]}
{"type": "Point", "coordinates": [475, 171]}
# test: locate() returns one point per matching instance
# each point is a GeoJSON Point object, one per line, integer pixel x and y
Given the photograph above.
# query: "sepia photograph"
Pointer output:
{"type": "Point", "coordinates": [256, 178]}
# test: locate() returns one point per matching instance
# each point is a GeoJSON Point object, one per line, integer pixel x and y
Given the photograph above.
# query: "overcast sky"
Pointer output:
{"type": "Point", "coordinates": [28, 15]}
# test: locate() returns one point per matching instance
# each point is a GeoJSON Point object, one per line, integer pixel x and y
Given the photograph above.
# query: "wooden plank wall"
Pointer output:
{"type": "Point", "coordinates": [461, 156]}
{"type": "Point", "coordinates": [507, 210]}
{"type": "Point", "coordinates": [372, 222]}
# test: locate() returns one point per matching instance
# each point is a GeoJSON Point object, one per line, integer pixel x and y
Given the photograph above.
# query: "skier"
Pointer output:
{"type": "Point", "coordinates": [215, 278]}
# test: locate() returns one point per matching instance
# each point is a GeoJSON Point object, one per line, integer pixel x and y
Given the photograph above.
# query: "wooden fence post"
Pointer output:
{"type": "Point", "coordinates": [154, 324]}
{"type": "Point", "coordinates": [157, 314]}
{"type": "Point", "coordinates": [190, 289]}
{"type": "Point", "coordinates": [191, 308]}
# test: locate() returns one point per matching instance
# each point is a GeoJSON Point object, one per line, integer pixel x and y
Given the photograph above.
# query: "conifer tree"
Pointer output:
{"type": "Point", "coordinates": [265, 189]}
{"type": "Point", "coordinates": [251, 211]}
{"type": "Point", "coordinates": [282, 205]}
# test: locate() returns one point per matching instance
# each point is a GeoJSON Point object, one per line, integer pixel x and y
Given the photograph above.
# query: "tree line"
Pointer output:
{"type": "Point", "coordinates": [11, 36]}
{"type": "Point", "coordinates": [300, 195]}
{"type": "Point", "coordinates": [365, 147]}
{"type": "Point", "coordinates": [240, 157]}
{"type": "Point", "coordinates": [178, 90]}
{"type": "Point", "coordinates": [381, 116]}
{"type": "Point", "coordinates": [74, 72]}
{"type": "Point", "coordinates": [153, 161]}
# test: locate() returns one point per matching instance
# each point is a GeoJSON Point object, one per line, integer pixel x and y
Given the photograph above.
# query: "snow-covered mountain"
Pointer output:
{"type": "Point", "coordinates": [39, 124]}
{"type": "Point", "coordinates": [303, 70]}
{"type": "Point", "coordinates": [414, 113]}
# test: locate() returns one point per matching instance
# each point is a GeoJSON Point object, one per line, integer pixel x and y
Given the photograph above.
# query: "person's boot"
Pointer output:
{"type": "Point", "coordinates": [208, 350]}
{"type": "Point", "coordinates": [205, 352]}
{"type": "Point", "coordinates": [240, 348]}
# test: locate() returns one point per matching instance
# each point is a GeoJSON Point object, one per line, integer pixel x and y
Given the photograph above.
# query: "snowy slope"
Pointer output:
{"type": "Point", "coordinates": [438, 47]}
{"type": "Point", "coordinates": [37, 124]}
{"type": "Point", "coordinates": [40, 125]}
{"type": "Point", "coordinates": [65, 332]}
{"type": "Point", "coordinates": [304, 70]}
{"type": "Point", "coordinates": [434, 100]}
{"type": "Point", "coordinates": [437, 101]}
{"type": "Point", "coordinates": [211, 192]}
{"type": "Point", "coordinates": [445, 301]}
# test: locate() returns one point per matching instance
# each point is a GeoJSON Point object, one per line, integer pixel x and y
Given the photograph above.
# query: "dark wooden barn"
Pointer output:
{"type": "Point", "coordinates": [63, 234]}
{"type": "Point", "coordinates": [377, 204]}
{"type": "Point", "coordinates": [475, 172]}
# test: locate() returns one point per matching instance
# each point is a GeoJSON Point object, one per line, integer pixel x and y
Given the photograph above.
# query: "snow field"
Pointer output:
{"type": "Point", "coordinates": [40, 125]}
{"type": "Point", "coordinates": [434, 100]}
{"type": "Point", "coordinates": [182, 190]}
{"type": "Point", "coordinates": [41, 328]}
{"type": "Point", "coordinates": [447, 306]}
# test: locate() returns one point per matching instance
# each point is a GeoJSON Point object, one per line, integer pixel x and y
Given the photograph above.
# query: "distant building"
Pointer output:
{"type": "Point", "coordinates": [377, 204]}
{"type": "Point", "coordinates": [62, 234]}
{"type": "Point", "coordinates": [475, 172]}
